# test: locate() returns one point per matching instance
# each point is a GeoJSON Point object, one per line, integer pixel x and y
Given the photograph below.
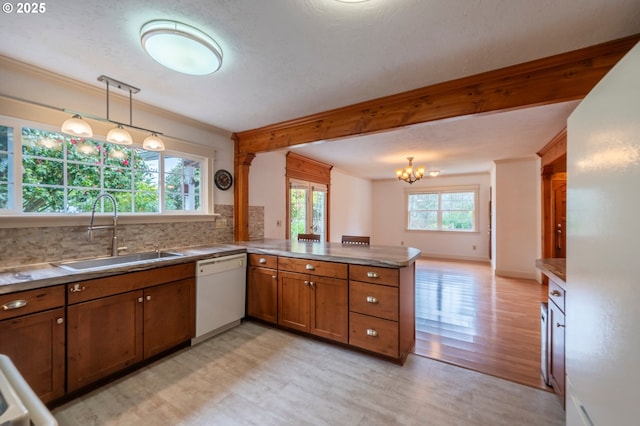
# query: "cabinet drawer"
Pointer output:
{"type": "Point", "coordinates": [26, 302]}
{"type": "Point", "coordinates": [314, 267]}
{"type": "Point", "coordinates": [374, 334]}
{"type": "Point", "coordinates": [374, 274]}
{"type": "Point", "coordinates": [108, 286]}
{"type": "Point", "coordinates": [556, 293]}
{"type": "Point", "coordinates": [372, 299]}
{"type": "Point", "coordinates": [265, 261]}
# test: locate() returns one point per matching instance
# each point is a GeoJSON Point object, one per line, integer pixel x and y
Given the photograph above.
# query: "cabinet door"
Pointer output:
{"type": "Point", "coordinates": [556, 342]}
{"type": "Point", "coordinates": [35, 344]}
{"type": "Point", "coordinates": [262, 294]}
{"type": "Point", "coordinates": [168, 315]}
{"type": "Point", "coordinates": [293, 300]}
{"type": "Point", "coordinates": [329, 308]}
{"type": "Point", "coordinates": [104, 336]}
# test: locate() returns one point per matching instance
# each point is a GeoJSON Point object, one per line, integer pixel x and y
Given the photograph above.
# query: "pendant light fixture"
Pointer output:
{"type": "Point", "coordinates": [76, 126]}
{"type": "Point", "coordinates": [119, 136]}
{"type": "Point", "coordinates": [153, 143]}
{"type": "Point", "coordinates": [181, 47]}
{"type": "Point", "coordinates": [408, 174]}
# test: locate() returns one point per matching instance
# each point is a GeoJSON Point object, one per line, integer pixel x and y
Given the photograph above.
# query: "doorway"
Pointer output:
{"type": "Point", "coordinates": [307, 208]}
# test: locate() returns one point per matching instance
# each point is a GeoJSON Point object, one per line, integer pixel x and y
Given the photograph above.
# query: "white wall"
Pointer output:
{"type": "Point", "coordinates": [516, 199]}
{"type": "Point", "coordinates": [603, 295]}
{"type": "Point", "coordinates": [389, 219]}
{"type": "Point", "coordinates": [350, 204]}
{"type": "Point", "coordinates": [267, 187]}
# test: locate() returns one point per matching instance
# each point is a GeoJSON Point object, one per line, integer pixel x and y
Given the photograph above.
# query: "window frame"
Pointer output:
{"type": "Point", "coordinates": [15, 217]}
{"type": "Point", "coordinates": [440, 191]}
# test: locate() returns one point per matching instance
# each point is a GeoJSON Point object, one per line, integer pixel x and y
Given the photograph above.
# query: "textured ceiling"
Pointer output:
{"type": "Point", "coordinates": [288, 58]}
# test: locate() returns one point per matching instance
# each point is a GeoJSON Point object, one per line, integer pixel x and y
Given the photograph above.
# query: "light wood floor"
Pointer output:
{"type": "Point", "coordinates": [469, 317]}
{"type": "Point", "coordinates": [256, 375]}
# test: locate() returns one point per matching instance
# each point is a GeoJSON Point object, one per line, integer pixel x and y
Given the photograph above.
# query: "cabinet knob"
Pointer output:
{"type": "Point", "coordinates": [310, 267]}
{"type": "Point", "coordinates": [76, 288]}
{"type": "Point", "coordinates": [60, 320]}
{"type": "Point", "coordinates": [148, 297]}
{"type": "Point", "coordinates": [306, 282]}
{"type": "Point", "coordinates": [14, 305]}
{"type": "Point", "coordinates": [262, 260]}
{"type": "Point", "coordinates": [140, 299]}
{"type": "Point", "coordinates": [275, 277]}
{"type": "Point", "coordinates": [371, 332]}
{"type": "Point", "coordinates": [373, 275]}
{"type": "Point", "coordinates": [311, 283]}
{"type": "Point", "coordinates": [371, 299]}
{"type": "Point", "coordinates": [555, 293]}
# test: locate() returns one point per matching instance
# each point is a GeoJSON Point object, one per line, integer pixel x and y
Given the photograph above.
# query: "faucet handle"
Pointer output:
{"type": "Point", "coordinates": [156, 248]}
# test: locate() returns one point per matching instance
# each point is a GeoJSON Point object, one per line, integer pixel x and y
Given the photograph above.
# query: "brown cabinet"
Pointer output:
{"type": "Point", "coordinates": [313, 297]}
{"type": "Point", "coordinates": [381, 310]}
{"type": "Point", "coordinates": [262, 288]}
{"type": "Point", "coordinates": [118, 321]}
{"type": "Point", "coordinates": [556, 336]}
{"type": "Point", "coordinates": [32, 334]}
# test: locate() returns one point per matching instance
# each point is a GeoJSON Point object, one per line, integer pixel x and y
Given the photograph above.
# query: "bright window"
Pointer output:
{"type": "Point", "coordinates": [65, 174]}
{"type": "Point", "coordinates": [443, 209]}
{"type": "Point", "coordinates": [308, 208]}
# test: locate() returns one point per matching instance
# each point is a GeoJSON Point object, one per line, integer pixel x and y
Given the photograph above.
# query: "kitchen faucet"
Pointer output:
{"type": "Point", "coordinates": [114, 227]}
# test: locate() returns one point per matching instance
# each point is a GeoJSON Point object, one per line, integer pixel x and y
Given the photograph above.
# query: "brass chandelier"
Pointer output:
{"type": "Point", "coordinates": [410, 175]}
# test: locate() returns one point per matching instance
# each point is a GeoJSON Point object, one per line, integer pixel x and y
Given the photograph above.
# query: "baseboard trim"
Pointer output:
{"type": "Point", "coordinates": [436, 256]}
{"type": "Point", "coordinates": [516, 274]}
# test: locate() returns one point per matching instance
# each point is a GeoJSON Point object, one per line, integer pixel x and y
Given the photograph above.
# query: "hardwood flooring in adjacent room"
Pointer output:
{"type": "Point", "coordinates": [256, 375]}
{"type": "Point", "coordinates": [467, 316]}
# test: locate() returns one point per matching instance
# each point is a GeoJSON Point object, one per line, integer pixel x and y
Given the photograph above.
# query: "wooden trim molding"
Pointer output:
{"type": "Point", "coordinates": [558, 78]}
{"type": "Point", "coordinates": [554, 149]}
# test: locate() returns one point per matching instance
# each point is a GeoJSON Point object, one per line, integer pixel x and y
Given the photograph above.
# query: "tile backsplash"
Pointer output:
{"type": "Point", "coordinates": [22, 246]}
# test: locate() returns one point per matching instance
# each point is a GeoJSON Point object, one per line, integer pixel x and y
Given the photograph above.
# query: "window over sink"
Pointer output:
{"type": "Point", "coordinates": [44, 172]}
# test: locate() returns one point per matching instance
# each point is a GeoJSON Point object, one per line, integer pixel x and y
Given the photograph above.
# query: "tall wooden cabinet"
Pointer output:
{"type": "Point", "coordinates": [32, 334]}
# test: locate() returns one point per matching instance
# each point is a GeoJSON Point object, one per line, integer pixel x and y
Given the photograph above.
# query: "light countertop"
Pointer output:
{"type": "Point", "coordinates": [555, 268]}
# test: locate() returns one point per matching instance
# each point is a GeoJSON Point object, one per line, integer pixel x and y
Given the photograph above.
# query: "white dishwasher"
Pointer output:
{"type": "Point", "coordinates": [220, 294]}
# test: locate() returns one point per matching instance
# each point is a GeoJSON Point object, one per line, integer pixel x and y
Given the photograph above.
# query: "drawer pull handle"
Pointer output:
{"type": "Point", "coordinates": [60, 320]}
{"type": "Point", "coordinates": [555, 293]}
{"type": "Point", "coordinates": [14, 305]}
{"type": "Point", "coordinates": [371, 332]}
{"type": "Point", "coordinates": [559, 325]}
{"type": "Point", "coordinates": [309, 267]}
{"type": "Point", "coordinates": [371, 299]}
{"type": "Point", "coordinates": [76, 288]}
{"type": "Point", "coordinates": [262, 260]}
{"type": "Point", "coordinates": [373, 275]}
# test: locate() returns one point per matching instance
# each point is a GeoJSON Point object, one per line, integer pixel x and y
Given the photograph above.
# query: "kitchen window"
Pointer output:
{"type": "Point", "coordinates": [443, 209]}
{"type": "Point", "coordinates": [47, 172]}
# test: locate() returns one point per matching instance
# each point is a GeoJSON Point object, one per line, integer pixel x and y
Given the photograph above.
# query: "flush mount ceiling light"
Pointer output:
{"type": "Point", "coordinates": [181, 47]}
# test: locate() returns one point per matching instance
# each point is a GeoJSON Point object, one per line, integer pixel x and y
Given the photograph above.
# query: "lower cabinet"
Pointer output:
{"type": "Point", "coordinates": [556, 339]}
{"type": "Point", "coordinates": [35, 342]}
{"type": "Point", "coordinates": [262, 288]}
{"type": "Point", "coordinates": [311, 303]}
{"type": "Point", "coordinates": [111, 332]}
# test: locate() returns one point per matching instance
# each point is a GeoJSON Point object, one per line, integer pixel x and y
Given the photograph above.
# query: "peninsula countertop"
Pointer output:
{"type": "Point", "coordinates": [28, 277]}
{"type": "Point", "coordinates": [555, 268]}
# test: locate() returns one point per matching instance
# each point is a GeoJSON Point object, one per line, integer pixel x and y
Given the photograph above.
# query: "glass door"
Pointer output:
{"type": "Point", "coordinates": [307, 209]}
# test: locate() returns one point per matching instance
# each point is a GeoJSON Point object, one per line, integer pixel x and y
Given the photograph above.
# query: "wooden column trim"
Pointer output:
{"type": "Point", "coordinates": [241, 168]}
{"type": "Point", "coordinates": [558, 78]}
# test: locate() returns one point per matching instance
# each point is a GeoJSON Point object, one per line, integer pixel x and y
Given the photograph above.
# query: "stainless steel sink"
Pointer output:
{"type": "Point", "coordinates": [114, 261]}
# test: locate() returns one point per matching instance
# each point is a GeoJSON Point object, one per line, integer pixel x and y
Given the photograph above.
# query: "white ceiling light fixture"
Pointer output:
{"type": "Point", "coordinates": [153, 143]}
{"type": "Point", "coordinates": [76, 126]}
{"type": "Point", "coordinates": [119, 136]}
{"type": "Point", "coordinates": [181, 47]}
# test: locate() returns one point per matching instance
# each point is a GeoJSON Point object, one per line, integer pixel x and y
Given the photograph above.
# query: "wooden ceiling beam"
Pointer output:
{"type": "Point", "coordinates": [559, 78]}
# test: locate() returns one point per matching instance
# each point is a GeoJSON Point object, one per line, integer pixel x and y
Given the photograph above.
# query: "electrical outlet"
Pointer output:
{"type": "Point", "coordinates": [221, 223]}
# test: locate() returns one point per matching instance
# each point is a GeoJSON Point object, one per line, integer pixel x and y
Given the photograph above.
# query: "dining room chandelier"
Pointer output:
{"type": "Point", "coordinates": [410, 174]}
{"type": "Point", "coordinates": [77, 126]}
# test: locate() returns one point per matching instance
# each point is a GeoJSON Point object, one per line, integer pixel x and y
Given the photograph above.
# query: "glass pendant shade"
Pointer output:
{"type": "Point", "coordinates": [153, 143]}
{"type": "Point", "coordinates": [76, 126]}
{"type": "Point", "coordinates": [181, 47]}
{"type": "Point", "coordinates": [119, 136]}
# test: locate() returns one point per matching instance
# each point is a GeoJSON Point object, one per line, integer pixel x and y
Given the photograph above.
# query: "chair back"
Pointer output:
{"type": "Point", "coordinates": [308, 237]}
{"type": "Point", "coordinates": [353, 239]}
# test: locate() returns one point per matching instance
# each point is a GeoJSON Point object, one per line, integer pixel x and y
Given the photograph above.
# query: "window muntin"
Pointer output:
{"type": "Point", "coordinates": [64, 174]}
{"type": "Point", "coordinates": [444, 209]}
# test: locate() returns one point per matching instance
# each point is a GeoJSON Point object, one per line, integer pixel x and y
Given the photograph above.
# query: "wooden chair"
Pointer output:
{"type": "Point", "coordinates": [352, 239]}
{"type": "Point", "coordinates": [308, 237]}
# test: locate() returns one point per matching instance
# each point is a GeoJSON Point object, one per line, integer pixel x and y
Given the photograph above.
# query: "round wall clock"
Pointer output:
{"type": "Point", "coordinates": [223, 179]}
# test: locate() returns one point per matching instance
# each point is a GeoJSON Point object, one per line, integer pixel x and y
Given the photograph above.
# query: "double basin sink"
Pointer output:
{"type": "Point", "coordinates": [114, 261]}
